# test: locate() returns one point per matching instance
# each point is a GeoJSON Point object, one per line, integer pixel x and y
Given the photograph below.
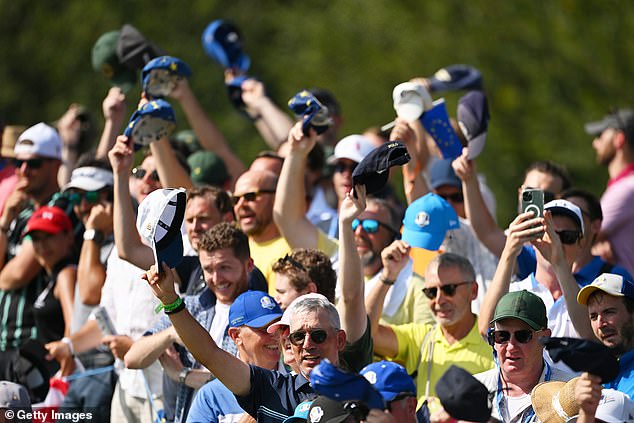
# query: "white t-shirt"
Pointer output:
{"type": "Point", "coordinates": [219, 323]}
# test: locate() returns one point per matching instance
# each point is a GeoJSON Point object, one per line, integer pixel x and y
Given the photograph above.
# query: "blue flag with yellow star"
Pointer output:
{"type": "Point", "coordinates": [436, 123]}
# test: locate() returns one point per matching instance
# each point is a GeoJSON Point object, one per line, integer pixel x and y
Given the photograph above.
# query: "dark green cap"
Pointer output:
{"type": "Point", "coordinates": [189, 138]}
{"type": "Point", "coordinates": [207, 169]}
{"type": "Point", "coordinates": [522, 305]}
{"type": "Point", "coordinates": [106, 61]}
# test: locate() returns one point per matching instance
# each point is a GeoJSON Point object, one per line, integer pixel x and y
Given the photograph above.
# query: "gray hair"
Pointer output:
{"type": "Point", "coordinates": [452, 260]}
{"type": "Point", "coordinates": [315, 305]}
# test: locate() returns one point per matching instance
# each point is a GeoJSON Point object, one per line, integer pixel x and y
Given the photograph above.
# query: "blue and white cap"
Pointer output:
{"type": "Point", "coordinates": [389, 378]}
{"type": "Point", "coordinates": [254, 309]}
{"type": "Point", "coordinates": [427, 221]}
{"type": "Point", "coordinates": [151, 122]}
{"type": "Point", "coordinates": [158, 77]}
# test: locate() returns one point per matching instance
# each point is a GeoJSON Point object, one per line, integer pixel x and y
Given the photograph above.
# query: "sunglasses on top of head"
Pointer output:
{"type": "Point", "coordinates": [449, 290]}
{"type": "Point", "coordinates": [318, 336]}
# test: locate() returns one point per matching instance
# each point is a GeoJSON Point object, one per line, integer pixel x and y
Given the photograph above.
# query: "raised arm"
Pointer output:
{"type": "Point", "coordinates": [232, 372]}
{"type": "Point", "coordinates": [114, 109]}
{"type": "Point", "coordinates": [351, 306]}
{"type": "Point", "coordinates": [126, 236]}
{"type": "Point", "coordinates": [289, 209]}
{"type": "Point", "coordinates": [148, 349]}
{"type": "Point", "coordinates": [208, 134]}
{"type": "Point", "coordinates": [270, 121]}
{"type": "Point", "coordinates": [171, 173]}
{"type": "Point", "coordinates": [550, 247]}
{"type": "Point", "coordinates": [523, 229]}
{"type": "Point", "coordinates": [91, 273]}
{"type": "Point", "coordinates": [485, 227]}
{"type": "Point", "coordinates": [414, 184]}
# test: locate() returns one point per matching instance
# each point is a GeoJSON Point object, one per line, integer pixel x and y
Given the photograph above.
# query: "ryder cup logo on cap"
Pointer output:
{"type": "Point", "coordinates": [160, 75]}
{"type": "Point", "coordinates": [255, 309]}
{"type": "Point", "coordinates": [151, 122]}
{"type": "Point", "coordinates": [427, 221]}
{"type": "Point", "coordinates": [40, 140]}
{"type": "Point", "coordinates": [389, 378]}
{"type": "Point", "coordinates": [611, 284]}
{"type": "Point", "coordinates": [316, 414]}
{"type": "Point", "coordinates": [559, 207]}
{"type": "Point", "coordinates": [411, 100]}
{"type": "Point", "coordinates": [89, 178]}
{"type": "Point", "coordinates": [159, 222]}
{"type": "Point", "coordinates": [353, 147]}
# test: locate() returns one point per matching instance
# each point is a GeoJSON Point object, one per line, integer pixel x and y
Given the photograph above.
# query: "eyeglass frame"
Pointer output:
{"type": "Point", "coordinates": [235, 199]}
{"type": "Point", "coordinates": [447, 289]}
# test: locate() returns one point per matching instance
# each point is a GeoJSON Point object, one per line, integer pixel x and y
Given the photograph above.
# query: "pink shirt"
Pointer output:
{"type": "Point", "coordinates": [617, 204]}
{"type": "Point", "coordinates": [8, 179]}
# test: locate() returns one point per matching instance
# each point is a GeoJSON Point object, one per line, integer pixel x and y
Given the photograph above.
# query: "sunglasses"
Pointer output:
{"type": "Point", "coordinates": [448, 290]}
{"type": "Point", "coordinates": [523, 336]}
{"type": "Point", "coordinates": [140, 173]}
{"type": "Point", "coordinates": [370, 226]}
{"type": "Point", "coordinates": [91, 197]}
{"type": "Point", "coordinates": [454, 198]}
{"type": "Point", "coordinates": [568, 237]}
{"type": "Point", "coordinates": [342, 167]}
{"type": "Point", "coordinates": [251, 196]}
{"type": "Point", "coordinates": [290, 260]}
{"type": "Point", "coordinates": [30, 163]}
{"type": "Point", "coordinates": [318, 336]}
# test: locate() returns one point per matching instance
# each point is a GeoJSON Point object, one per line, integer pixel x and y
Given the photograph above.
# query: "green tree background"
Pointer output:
{"type": "Point", "coordinates": [548, 66]}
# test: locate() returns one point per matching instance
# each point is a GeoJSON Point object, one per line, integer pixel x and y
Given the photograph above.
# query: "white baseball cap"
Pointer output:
{"type": "Point", "coordinates": [567, 208]}
{"type": "Point", "coordinates": [41, 140]}
{"type": "Point", "coordinates": [353, 147]}
{"type": "Point", "coordinates": [89, 178]}
{"type": "Point", "coordinates": [411, 100]}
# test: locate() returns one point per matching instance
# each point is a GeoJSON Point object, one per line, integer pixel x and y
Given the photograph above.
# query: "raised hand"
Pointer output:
{"type": "Point", "coordinates": [121, 155]}
{"type": "Point", "coordinates": [162, 284]}
{"type": "Point", "coordinates": [394, 257]}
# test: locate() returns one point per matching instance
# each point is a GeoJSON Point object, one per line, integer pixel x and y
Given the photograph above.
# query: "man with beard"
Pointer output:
{"type": "Point", "coordinates": [253, 200]}
{"type": "Point", "coordinates": [610, 301]}
{"type": "Point", "coordinates": [226, 263]}
{"type": "Point", "coordinates": [614, 146]}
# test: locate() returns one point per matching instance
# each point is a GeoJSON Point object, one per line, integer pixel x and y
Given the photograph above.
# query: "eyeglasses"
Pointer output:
{"type": "Point", "coordinates": [139, 173]}
{"type": "Point", "coordinates": [357, 409]}
{"type": "Point", "coordinates": [342, 167]}
{"type": "Point", "coordinates": [318, 336]}
{"type": "Point", "coordinates": [568, 237]}
{"type": "Point", "coordinates": [30, 163]}
{"type": "Point", "coordinates": [523, 336]}
{"type": "Point", "coordinates": [454, 198]}
{"type": "Point", "coordinates": [251, 196]}
{"type": "Point", "coordinates": [370, 226]}
{"type": "Point", "coordinates": [449, 290]}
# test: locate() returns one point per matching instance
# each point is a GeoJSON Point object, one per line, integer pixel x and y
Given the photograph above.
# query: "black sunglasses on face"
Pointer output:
{"type": "Point", "coordinates": [140, 173]}
{"type": "Point", "coordinates": [568, 237]}
{"type": "Point", "coordinates": [449, 290]}
{"type": "Point", "coordinates": [522, 336]}
{"type": "Point", "coordinates": [30, 163]}
{"type": "Point", "coordinates": [251, 196]}
{"type": "Point", "coordinates": [342, 167]}
{"type": "Point", "coordinates": [318, 336]}
{"type": "Point", "coordinates": [454, 198]}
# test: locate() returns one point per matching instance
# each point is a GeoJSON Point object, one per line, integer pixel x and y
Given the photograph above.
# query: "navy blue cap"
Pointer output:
{"type": "Point", "coordinates": [153, 121]}
{"type": "Point", "coordinates": [374, 170]}
{"type": "Point", "coordinates": [441, 173]}
{"type": "Point", "coordinates": [305, 104]}
{"type": "Point", "coordinates": [473, 119]}
{"type": "Point", "coordinates": [583, 356]}
{"type": "Point", "coordinates": [157, 77]}
{"type": "Point", "coordinates": [254, 309]}
{"type": "Point", "coordinates": [340, 385]}
{"type": "Point", "coordinates": [454, 78]}
{"type": "Point", "coordinates": [223, 43]}
{"type": "Point", "coordinates": [389, 378]}
{"type": "Point", "coordinates": [463, 396]}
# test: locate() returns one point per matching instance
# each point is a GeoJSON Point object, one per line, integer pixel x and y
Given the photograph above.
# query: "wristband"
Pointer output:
{"type": "Point", "coordinates": [174, 307]}
{"type": "Point", "coordinates": [69, 343]}
{"type": "Point", "coordinates": [387, 281]}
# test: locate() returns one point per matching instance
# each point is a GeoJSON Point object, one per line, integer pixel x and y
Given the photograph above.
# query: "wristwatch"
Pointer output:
{"type": "Point", "coordinates": [93, 235]}
{"type": "Point", "coordinates": [183, 374]}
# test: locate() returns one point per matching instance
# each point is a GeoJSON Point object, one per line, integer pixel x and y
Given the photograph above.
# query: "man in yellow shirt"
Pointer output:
{"type": "Point", "coordinates": [430, 349]}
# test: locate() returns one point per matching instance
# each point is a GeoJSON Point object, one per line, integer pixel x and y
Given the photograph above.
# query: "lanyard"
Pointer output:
{"type": "Point", "coordinates": [500, 397]}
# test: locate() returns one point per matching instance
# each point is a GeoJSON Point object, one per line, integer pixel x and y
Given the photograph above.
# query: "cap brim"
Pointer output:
{"type": "Point", "coordinates": [596, 128]}
{"type": "Point", "coordinates": [277, 325]}
{"type": "Point", "coordinates": [529, 322]}
{"type": "Point", "coordinates": [409, 112]}
{"type": "Point", "coordinates": [586, 291]}
{"type": "Point", "coordinates": [43, 227]}
{"type": "Point", "coordinates": [426, 240]}
{"type": "Point", "coordinates": [476, 145]}
{"type": "Point", "coordinates": [262, 320]}
{"type": "Point", "coordinates": [86, 184]}
{"type": "Point", "coordinates": [542, 399]}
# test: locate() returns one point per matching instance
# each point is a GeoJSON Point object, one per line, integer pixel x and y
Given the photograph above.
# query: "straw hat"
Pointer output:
{"type": "Point", "coordinates": [554, 402]}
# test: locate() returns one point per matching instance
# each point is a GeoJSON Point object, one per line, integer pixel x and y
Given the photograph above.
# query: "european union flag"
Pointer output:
{"type": "Point", "coordinates": [436, 123]}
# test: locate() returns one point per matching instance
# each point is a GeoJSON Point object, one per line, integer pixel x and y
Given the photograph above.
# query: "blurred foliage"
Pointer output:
{"type": "Point", "coordinates": [549, 66]}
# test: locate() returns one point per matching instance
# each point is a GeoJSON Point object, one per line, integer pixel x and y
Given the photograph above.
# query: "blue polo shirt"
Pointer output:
{"type": "Point", "coordinates": [527, 263]}
{"type": "Point", "coordinates": [274, 396]}
{"type": "Point", "coordinates": [624, 382]}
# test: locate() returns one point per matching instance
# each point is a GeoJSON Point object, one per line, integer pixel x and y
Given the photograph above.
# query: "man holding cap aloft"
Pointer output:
{"type": "Point", "coordinates": [610, 301]}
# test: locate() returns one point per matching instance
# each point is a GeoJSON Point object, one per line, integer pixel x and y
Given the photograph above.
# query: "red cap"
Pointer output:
{"type": "Point", "coordinates": [47, 219]}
